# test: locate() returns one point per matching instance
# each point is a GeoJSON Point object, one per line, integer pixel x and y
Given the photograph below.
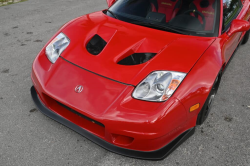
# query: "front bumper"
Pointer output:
{"type": "Point", "coordinates": [149, 155]}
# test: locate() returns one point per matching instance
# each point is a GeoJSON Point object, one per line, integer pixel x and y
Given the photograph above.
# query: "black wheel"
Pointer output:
{"type": "Point", "coordinates": [245, 38]}
{"type": "Point", "coordinates": [202, 116]}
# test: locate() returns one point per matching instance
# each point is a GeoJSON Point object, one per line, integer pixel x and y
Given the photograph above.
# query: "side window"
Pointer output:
{"type": "Point", "coordinates": [230, 11]}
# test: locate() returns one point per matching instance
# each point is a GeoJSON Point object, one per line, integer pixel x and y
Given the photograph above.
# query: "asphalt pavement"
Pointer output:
{"type": "Point", "coordinates": [27, 137]}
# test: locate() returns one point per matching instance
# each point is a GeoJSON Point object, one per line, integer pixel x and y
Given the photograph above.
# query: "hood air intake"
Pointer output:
{"type": "Point", "coordinates": [96, 45]}
{"type": "Point", "coordinates": [137, 58]}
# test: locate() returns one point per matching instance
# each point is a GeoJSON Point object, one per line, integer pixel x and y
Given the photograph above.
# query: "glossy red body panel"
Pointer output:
{"type": "Point", "coordinates": [135, 39]}
{"type": "Point", "coordinates": [107, 97]}
{"type": "Point", "coordinates": [238, 26]}
{"type": "Point", "coordinates": [229, 42]}
{"type": "Point", "coordinates": [133, 118]}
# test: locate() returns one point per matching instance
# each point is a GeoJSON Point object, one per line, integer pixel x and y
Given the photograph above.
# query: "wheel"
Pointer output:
{"type": "Point", "coordinates": [202, 116]}
{"type": "Point", "coordinates": [246, 37]}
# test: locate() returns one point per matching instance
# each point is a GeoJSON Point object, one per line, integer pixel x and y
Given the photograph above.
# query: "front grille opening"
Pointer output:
{"type": "Point", "coordinates": [81, 115]}
{"type": "Point", "coordinates": [75, 117]}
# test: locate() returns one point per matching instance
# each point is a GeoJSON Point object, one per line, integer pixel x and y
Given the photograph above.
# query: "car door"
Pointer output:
{"type": "Point", "coordinates": [233, 9]}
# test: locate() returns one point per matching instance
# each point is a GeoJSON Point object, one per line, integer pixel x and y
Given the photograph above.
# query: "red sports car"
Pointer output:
{"type": "Point", "coordinates": [138, 77]}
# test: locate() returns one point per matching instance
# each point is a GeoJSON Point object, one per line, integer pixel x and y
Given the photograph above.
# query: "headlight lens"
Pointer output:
{"type": "Point", "coordinates": [158, 86]}
{"type": "Point", "coordinates": [56, 47]}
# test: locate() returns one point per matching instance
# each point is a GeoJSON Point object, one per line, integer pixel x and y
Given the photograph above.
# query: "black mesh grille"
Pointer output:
{"type": "Point", "coordinates": [81, 115]}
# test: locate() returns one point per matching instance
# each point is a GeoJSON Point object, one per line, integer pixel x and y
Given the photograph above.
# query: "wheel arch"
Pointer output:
{"type": "Point", "coordinates": [198, 83]}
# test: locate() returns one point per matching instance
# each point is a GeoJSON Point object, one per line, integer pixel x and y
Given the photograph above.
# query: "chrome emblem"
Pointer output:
{"type": "Point", "coordinates": [78, 89]}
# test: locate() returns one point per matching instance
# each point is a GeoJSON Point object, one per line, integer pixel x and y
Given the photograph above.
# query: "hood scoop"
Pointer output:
{"type": "Point", "coordinates": [136, 59]}
{"type": "Point", "coordinates": [96, 45]}
{"type": "Point", "coordinates": [114, 60]}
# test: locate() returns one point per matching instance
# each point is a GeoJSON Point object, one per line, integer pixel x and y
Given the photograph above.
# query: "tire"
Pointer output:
{"type": "Point", "coordinates": [246, 37]}
{"type": "Point", "coordinates": [202, 116]}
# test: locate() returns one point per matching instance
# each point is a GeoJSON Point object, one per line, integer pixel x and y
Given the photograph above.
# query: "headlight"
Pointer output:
{"type": "Point", "coordinates": [56, 47]}
{"type": "Point", "coordinates": [158, 86]}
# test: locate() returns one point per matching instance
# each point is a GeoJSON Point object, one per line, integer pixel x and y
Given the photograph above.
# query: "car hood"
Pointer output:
{"type": "Point", "coordinates": [174, 52]}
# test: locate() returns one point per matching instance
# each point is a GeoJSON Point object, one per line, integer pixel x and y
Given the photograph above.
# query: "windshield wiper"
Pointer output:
{"type": "Point", "coordinates": [113, 14]}
{"type": "Point", "coordinates": [147, 24]}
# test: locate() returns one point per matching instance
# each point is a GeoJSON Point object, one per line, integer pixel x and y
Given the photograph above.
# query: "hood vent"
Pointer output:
{"type": "Point", "coordinates": [96, 45]}
{"type": "Point", "coordinates": [137, 58]}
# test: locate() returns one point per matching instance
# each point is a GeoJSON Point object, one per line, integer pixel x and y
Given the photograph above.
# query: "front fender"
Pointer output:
{"type": "Point", "coordinates": [196, 86]}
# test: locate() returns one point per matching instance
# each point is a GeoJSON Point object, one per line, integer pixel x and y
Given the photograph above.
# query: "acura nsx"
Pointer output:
{"type": "Point", "coordinates": [138, 77]}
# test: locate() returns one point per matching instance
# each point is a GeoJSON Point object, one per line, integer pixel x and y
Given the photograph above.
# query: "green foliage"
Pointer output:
{"type": "Point", "coordinates": [8, 2]}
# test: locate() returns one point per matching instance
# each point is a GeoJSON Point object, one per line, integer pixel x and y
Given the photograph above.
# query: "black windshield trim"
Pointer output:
{"type": "Point", "coordinates": [165, 28]}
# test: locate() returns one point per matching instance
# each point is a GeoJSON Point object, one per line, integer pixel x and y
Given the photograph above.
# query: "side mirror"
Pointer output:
{"type": "Point", "coordinates": [110, 2]}
{"type": "Point", "coordinates": [238, 26]}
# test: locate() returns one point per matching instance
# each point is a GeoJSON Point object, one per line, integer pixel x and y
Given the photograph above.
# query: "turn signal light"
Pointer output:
{"type": "Point", "coordinates": [194, 107]}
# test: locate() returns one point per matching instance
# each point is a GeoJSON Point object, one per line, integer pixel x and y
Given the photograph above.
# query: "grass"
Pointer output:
{"type": "Point", "coordinates": [8, 2]}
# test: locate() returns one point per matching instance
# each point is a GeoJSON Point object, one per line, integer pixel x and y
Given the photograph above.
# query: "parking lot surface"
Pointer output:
{"type": "Point", "coordinates": [27, 137]}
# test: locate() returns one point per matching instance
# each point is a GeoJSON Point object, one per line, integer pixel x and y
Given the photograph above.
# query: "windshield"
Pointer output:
{"type": "Point", "coordinates": [190, 17]}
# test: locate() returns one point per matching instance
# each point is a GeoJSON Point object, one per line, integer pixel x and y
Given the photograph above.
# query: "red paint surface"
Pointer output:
{"type": "Point", "coordinates": [131, 123]}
